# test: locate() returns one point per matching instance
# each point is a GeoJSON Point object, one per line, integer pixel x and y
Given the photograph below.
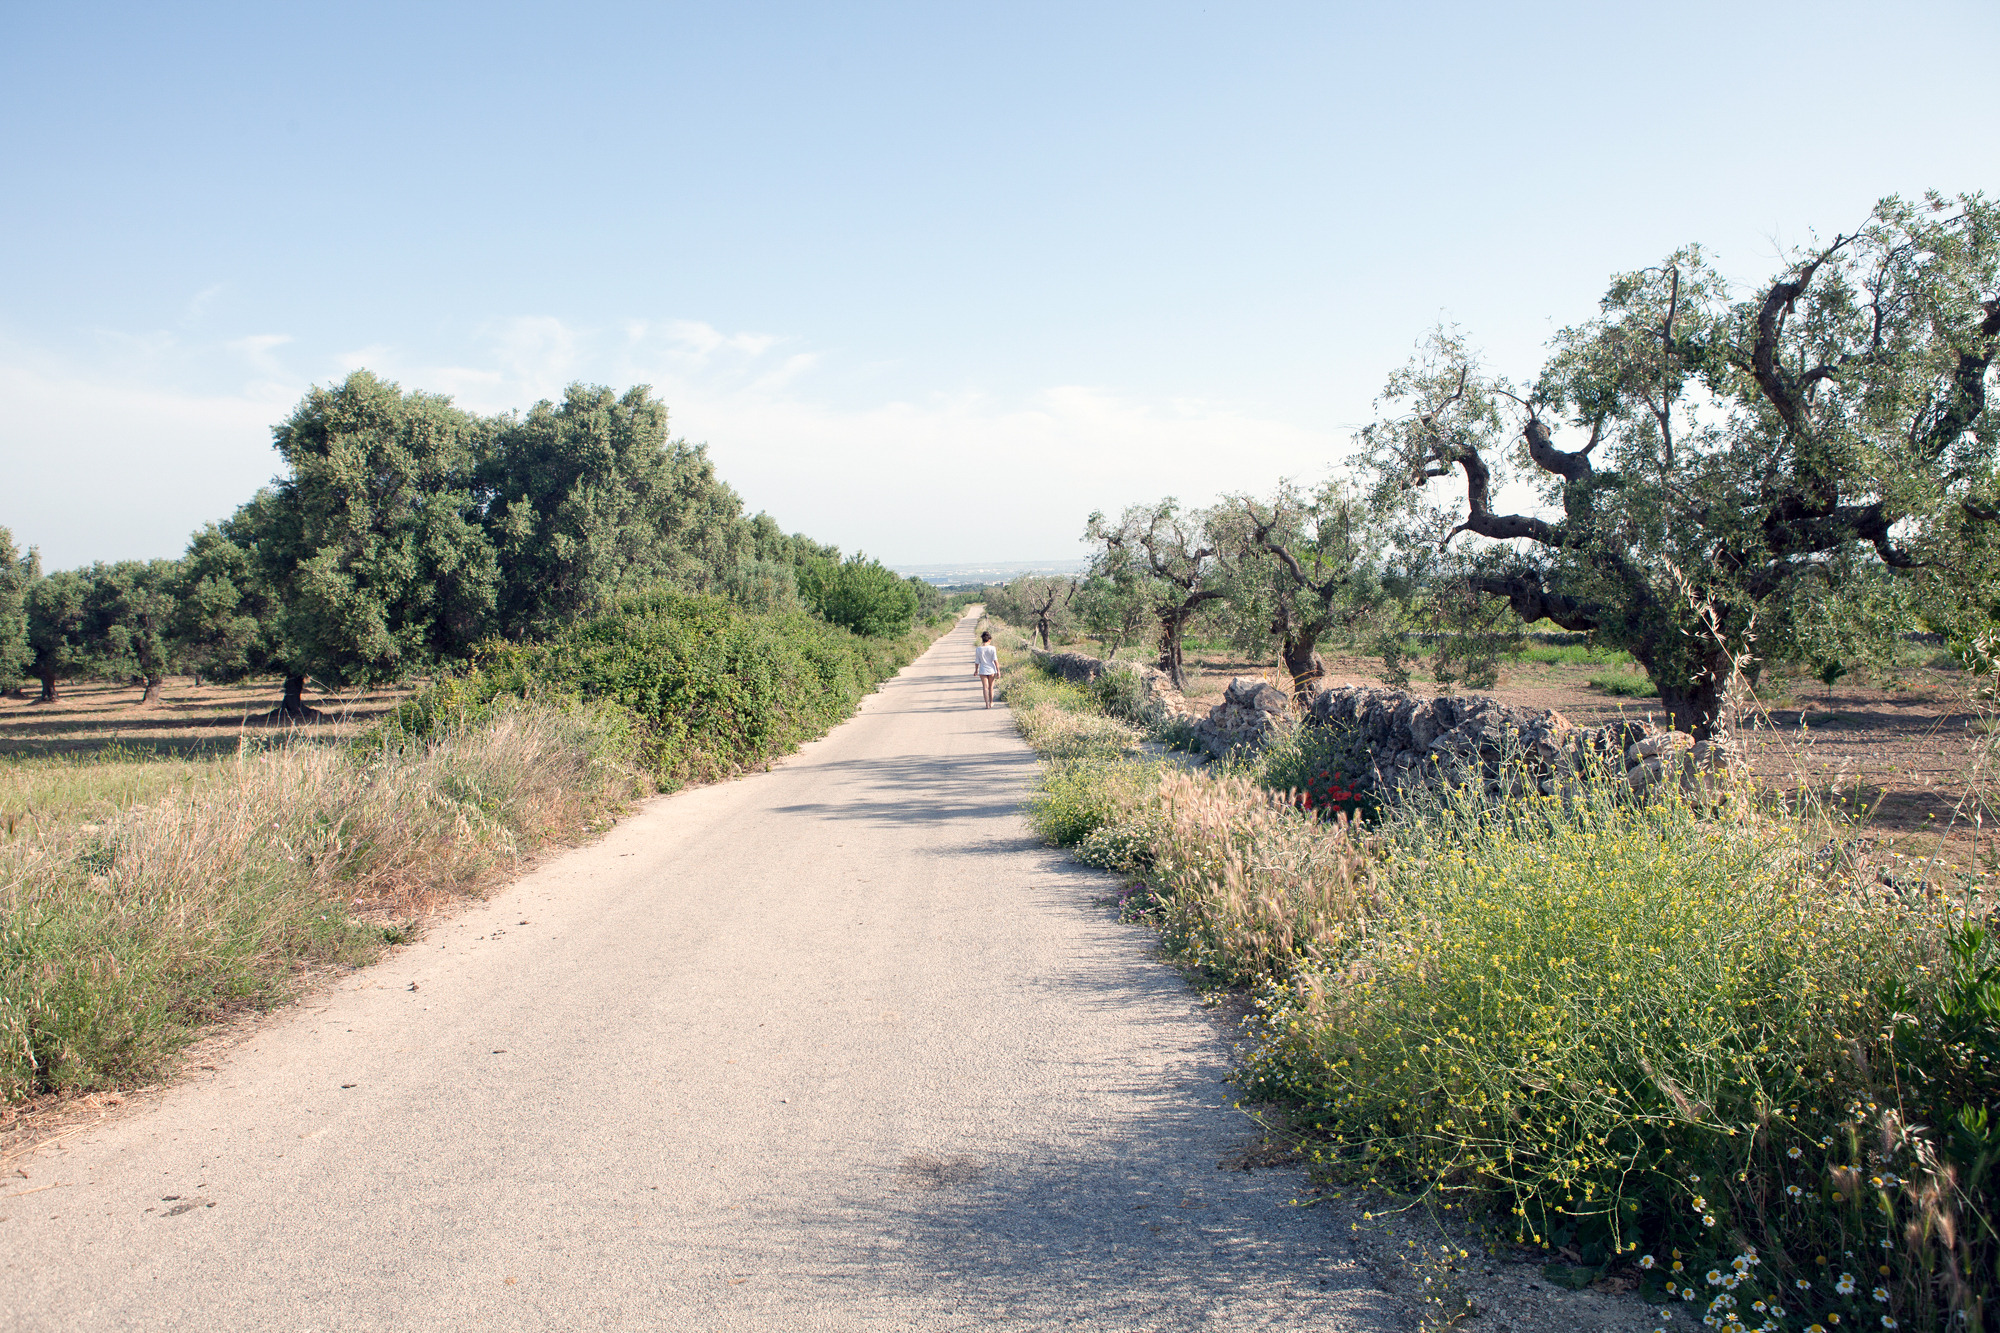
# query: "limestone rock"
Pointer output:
{"type": "Point", "coordinates": [1252, 711]}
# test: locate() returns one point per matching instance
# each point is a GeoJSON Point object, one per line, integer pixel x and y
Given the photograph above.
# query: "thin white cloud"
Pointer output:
{"type": "Point", "coordinates": [791, 368]}
{"type": "Point", "coordinates": [259, 349]}
{"type": "Point", "coordinates": [106, 466]}
{"type": "Point", "coordinates": [373, 356]}
{"type": "Point", "coordinates": [537, 347]}
{"type": "Point", "coordinates": [198, 304]}
{"type": "Point", "coordinates": [704, 340]}
{"type": "Point", "coordinates": [966, 477]}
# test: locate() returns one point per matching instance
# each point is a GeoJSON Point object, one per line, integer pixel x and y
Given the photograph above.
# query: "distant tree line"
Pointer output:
{"type": "Point", "coordinates": [405, 530]}
{"type": "Point", "coordinates": [1709, 480]}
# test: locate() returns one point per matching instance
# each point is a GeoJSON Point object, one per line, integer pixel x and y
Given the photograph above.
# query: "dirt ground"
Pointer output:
{"type": "Point", "coordinates": [1898, 752]}
{"type": "Point", "coordinates": [189, 721]}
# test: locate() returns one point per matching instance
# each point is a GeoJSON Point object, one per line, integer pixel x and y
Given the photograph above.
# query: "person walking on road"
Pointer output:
{"type": "Point", "coordinates": [986, 664]}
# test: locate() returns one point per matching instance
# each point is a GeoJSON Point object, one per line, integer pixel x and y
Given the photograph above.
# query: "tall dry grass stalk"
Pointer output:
{"type": "Point", "coordinates": [1247, 886]}
{"type": "Point", "coordinates": [119, 940]}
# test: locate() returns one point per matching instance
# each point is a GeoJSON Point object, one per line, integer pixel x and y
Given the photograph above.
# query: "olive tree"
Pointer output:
{"type": "Point", "coordinates": [371, 547]}
{"type": "Point", "coordinates": [589, 498]}
{"type": "Point", "coordinates": [1175, 557]}
{"type": "Point", "coordinates": [56, 629]}
{"type": "Point", "coordinates": [1301, 566]}
{"type": "Point", "coordinates": [1703, 465]}
{"type": "Point", "coordinates": [218, 609]}
{"type": "Point", "coordinates": [17, 572]}
{"type": "Point", "coordinates": [1113, 608]}
{"type": "Point", "coordinates": [129, 608]}
{"type": "Point", "coordinates": [1038, 602]}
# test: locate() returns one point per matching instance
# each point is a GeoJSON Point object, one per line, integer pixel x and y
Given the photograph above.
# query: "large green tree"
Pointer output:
{"type": "Point", "coordinates": [217, 626]}
{"type": "Point", "coordinates": [371, 547]}
{"type": "Point", "coordinates": [859, 593]}
{"type": "Point", "coordinates": [56, 628]}
{"type": "Point", "coordinates": [129, 610]}
{"type": "Point", "coordinates": [768, 564]}
{"type": "Point", "coordinates": [1706, 465]}
{"type": "Point", "coordinates": [589, 498]}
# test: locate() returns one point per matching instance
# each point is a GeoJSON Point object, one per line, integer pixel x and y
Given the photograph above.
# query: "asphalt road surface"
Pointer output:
{"type": "Point", "coordinates": [837, 1046]}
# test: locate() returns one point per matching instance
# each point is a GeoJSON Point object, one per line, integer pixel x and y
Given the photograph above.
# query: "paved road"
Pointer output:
{"type": "Point", "coordinates": [833, 1047]}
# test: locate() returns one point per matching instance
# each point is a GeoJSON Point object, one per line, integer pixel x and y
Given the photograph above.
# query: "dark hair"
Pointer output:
{"type": "Point", "coordinates": [985, 635]}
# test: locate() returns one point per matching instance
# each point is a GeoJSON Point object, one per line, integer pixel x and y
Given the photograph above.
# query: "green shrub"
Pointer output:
{"type": "Point", "coordinates": [861, 595]}
{"type": "Point", "coordinates": [716, 688]}
{"type": "Point", "coordinates": [1124, 844]}
{"type": "Point", "coordinates": [1630, 684]}
{"type": "Point", "coordinates": [1631, 1027]}
{"type": "Point", "coordinates": [1121, 694]}
{"type": "Point", "coordinates": [1329, 769]}
{"type": "Point", "coordinates": [1079, 796]}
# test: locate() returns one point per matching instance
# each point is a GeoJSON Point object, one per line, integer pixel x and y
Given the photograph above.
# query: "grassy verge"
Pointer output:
{"type": "Point", "coordinates": [40, 794]}
{"type": "Point", "coordinates": [121, 936]}
{"type": "Point", "coordinates": [1652, 1043]}
{"type": "Point", "coordinates": [1570, 654]}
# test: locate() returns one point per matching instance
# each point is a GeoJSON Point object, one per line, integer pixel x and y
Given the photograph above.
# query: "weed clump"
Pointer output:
{"type": "Point", "coordinates": [1327, 769]}
{"type": "Point", "coordinates": [1627, 684]}
{"type": "Point", "coordinates": [1078, 797]}
{"type": "Point", "coordinates": [1246, 886]}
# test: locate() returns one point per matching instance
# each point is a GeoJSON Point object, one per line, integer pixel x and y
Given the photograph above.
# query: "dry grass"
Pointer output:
{"type": "Point", "coordinates": [38, 795]}
{"type": "Point", "coordinates": [1246, 886]}
{"type": "Point", "coordinates": [121, 935]}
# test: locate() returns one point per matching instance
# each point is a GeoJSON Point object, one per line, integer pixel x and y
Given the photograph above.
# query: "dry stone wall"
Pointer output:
{"type": "Point", "coordinates": [1415, 740]}
{"type": "Point", "coordinates": [1252, 713]}
{"type": "Point", "coordinates": [1162, 700]}
{"type": "Point", "coordinates": [1410, 740]}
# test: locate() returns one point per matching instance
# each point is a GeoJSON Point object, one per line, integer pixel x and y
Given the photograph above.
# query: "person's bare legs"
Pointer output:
{"type": "Point", "coordinates": [986, 684]}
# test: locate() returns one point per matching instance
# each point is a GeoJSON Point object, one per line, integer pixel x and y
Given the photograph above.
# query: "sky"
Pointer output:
{"type": "Point", "coordinates": [933, 281]}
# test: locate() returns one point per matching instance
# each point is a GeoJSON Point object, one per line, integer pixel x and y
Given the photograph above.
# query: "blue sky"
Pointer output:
{"type": "Point", "coordinates": [932, 280]}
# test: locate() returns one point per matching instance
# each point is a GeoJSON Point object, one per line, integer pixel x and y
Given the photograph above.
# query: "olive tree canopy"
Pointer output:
{"type": "Point", "coordinates": [1302, 565]}
{"type": "Point", "coordinates": [1706, 466]}
{"type": "Point", "coordinates": [588, 499]}
{"type": "Point", "coordinates": [56, 639]}
{"type": "Point", "coordinates": [1039, 603]}
{"type": "Point", "coordinates": [1173, 556]}
{"type": "Point", "coordinates": [372, 547]}
{"type": "Point", "coordinates": [17, 572]}
{"type": "Point", "coordinates": [129, 610]}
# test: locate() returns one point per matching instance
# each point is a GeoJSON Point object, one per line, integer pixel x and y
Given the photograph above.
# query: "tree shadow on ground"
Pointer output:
{"type": "Point", "coordinates": [1123, 1205]}
{"type": "Point", "coordinates": [901, 789]}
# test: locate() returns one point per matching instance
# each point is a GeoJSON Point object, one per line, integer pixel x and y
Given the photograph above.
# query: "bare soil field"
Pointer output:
{"type": "Point", "coordinates": [190, 721]}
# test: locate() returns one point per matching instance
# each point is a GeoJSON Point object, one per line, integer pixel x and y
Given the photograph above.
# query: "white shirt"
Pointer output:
{"type": "Point", "coordinates": [986, 660]}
